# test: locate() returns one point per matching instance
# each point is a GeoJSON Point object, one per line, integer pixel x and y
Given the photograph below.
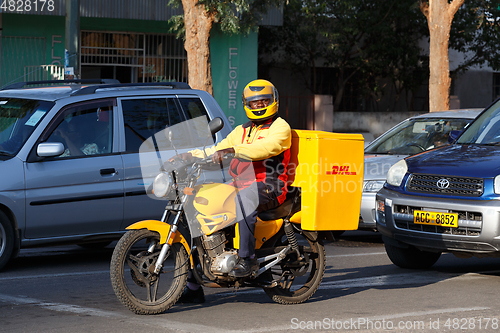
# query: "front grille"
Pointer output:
{"type": "Point", "coordinates": [469, 223]}
{"type": "Point", "coordinates": [458, 186]}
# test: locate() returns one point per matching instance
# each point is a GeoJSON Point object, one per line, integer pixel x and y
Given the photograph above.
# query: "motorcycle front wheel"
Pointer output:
{"type": "Point", "coordinates": [298, 278]}
{"type": "Point", "coordinates": [132, 273]}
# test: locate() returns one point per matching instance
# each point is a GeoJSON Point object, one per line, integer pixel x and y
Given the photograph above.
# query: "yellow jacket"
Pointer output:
{"type": "Point", "coordinates": [267, 146]}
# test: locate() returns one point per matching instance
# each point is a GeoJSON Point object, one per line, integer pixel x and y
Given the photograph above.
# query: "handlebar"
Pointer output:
{"type": "Point", "coordinates": [177, 163]}
{"type": "Point", "coordinates": [208, 159]}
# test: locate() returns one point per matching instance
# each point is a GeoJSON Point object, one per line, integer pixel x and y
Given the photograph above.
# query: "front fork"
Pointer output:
{"type": "Point", "coordinates": [171, 235]}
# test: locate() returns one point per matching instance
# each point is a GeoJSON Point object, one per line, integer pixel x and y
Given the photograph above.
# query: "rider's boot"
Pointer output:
{"type": "Point", "coordinates": [244, 267]}
{"type": "Point", "coordinates": [192, 296]}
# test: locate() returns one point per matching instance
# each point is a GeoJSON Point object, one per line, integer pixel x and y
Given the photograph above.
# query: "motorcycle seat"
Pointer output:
{"type": "Point", "coordinates": [290, 206]}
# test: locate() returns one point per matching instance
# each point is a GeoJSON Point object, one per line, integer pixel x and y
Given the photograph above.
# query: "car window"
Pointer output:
{"type": "Point", "coordinates": [85, 130]}
{"type": "Point", "coordinates": [416, 135]}
{"type": "Point", "coordinates": [486, 129]}
{"type": "Point", "coordinates": [194, 109]}
{"type": "Point", "coordinates": [18, 119]}
{"type": "Point", "coordinates": [144, 118]}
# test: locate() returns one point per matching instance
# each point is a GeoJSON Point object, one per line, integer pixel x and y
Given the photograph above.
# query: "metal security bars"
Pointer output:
{"type": "Point", "coordinates": [43, 72]}
{"type": "Point", "coordinates": [152, 57]}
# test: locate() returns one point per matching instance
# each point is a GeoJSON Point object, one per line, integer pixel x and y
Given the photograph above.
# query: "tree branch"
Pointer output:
{"type": "Point", "coordinates": [454, 6]}
{"type": "Point", "coordinates": [424, 8]}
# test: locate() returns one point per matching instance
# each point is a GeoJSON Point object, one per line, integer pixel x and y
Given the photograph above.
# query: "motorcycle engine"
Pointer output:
{"type": "Point", "coordinates": [222, 261]}
{"type": "Point", "coordinates": [214, 244]}
{"type": "Point", "coordinates": [225, 262]}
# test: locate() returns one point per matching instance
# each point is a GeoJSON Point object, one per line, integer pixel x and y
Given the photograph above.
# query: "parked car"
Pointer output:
{"type": "Point", "coordinates": [445, 200]}
{"type": "Point", "coordinates": [52, 192]}
{"type": "Point", "coordinates": [411, 136]}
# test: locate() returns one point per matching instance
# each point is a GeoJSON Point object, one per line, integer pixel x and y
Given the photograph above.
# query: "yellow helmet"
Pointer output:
{"type": "Point", "coordinates": [257, 90]}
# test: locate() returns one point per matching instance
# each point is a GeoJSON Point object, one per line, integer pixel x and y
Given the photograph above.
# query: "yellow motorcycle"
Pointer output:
{"type": "Point", "coordinates": [198, 230]}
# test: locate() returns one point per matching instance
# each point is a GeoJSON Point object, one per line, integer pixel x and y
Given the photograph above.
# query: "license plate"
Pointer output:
{"type": "Point", "coordinates": [436, 218]}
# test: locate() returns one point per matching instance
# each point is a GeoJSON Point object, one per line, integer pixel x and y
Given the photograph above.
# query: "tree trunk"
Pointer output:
{"type": "Point", "coordinates": [439, 16]}
{"type": "Point", "coordinates": [198, 23]}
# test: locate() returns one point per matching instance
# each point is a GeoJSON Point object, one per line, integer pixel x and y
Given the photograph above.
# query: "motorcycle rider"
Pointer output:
{"type": "Point", "coordinates": [265, 142]}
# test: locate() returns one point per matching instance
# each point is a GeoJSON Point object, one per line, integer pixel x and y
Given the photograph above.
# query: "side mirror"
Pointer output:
{"type": "Point", "coordinates": [215, 125]}
{"type": "Point", "coordinates": [50, 149]}
{"type": "Point", "coordinates": [454, 135]}
{"type": "Point", "coordinates": [169, 134]}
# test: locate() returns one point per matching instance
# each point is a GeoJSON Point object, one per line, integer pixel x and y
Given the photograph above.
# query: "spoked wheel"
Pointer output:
{"type": "Point", "coordinates": [132, 273]}
{"type": "Point", "coordinates": [298, 278]}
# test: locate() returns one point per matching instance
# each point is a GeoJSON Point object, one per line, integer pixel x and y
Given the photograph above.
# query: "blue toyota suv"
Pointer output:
{"type": "Point", "coordinates": [446, 199]}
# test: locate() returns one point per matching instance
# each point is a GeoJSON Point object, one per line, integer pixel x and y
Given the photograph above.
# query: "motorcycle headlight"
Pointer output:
{"type": "Point", "coordinates": [373, 185]}
{"type": "Point", "coordinates": [162, 184]}
{"type": "Point", "coordinates": [497, 184]}
{"type": "Point", "coordinates": [396, 173]}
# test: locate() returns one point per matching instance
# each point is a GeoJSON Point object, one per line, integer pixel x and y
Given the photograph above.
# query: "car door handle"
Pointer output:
{"type": "Point", "coordinates": [108, 171]}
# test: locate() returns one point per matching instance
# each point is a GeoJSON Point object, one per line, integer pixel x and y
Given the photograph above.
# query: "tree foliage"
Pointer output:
{"type": "Point", "coordinates": [364, 40]}
{"type": "Point", "coordinates": [233, 16]}
{"type": "Point", "coordinates": [476, 33]}
{"type": "Point", "coordinates": [468, 26]}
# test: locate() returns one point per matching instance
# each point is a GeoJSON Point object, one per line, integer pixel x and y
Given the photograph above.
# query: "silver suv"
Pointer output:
{"type": "Point", "coordinates": [69, 157]}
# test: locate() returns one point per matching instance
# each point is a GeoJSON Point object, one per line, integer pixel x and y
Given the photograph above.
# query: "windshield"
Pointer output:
{"type": "Point", "coordinates": [18, 119]}
{"type": "Point", "coordinates": [416, 135]}
{"type": "Point", "coordinates": [214, 185]}
{"type": "Point", "coordinates": [485, 130]}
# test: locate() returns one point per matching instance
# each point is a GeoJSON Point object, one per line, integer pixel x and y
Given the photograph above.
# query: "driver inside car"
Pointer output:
{"type": "Point", "coordinates": [261, 176]}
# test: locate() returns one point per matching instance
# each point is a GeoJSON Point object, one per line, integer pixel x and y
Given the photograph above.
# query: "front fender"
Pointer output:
{"type": "Point", "coordinates": [162, 228]}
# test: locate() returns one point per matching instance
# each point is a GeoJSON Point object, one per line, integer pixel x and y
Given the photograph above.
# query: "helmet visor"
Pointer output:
{"type": "Point", "coordinates": [268, 98]}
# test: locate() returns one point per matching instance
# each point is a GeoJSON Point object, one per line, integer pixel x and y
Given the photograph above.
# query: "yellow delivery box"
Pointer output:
{"type": "Point", "coordinates": [328, 169]}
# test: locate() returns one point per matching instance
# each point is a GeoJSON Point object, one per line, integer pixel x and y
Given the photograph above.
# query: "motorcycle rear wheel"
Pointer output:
{"type": "Point", "coordinates": [297, 283]}
{"type": "Point", "coordinates": [133, 283]}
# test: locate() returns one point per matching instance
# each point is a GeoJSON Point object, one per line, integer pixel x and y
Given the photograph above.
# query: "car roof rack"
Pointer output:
{"type": "Point", "coordinates": [92, 89]}
{"type": "Point", "coordinates": [20, 85]}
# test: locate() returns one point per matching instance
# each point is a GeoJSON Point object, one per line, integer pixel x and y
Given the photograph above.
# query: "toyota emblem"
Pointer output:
{"type": "Point", "coordinates": [443, 183]}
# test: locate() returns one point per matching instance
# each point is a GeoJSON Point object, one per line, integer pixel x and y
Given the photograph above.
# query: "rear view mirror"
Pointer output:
{"type": "Point", "coordinates": [215, 125]}
{"type": "Point", "coordinates": [50, 149]}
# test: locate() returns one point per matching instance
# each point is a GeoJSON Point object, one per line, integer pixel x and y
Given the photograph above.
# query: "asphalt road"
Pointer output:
{"type": "Point", "coordinates": [67, 289]}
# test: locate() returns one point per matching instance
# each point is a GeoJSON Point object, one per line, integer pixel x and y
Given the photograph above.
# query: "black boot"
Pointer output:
{"type": "Point", "coordinates": [192, 296]}
{"type": "Point", "coordinates": [244, 267]}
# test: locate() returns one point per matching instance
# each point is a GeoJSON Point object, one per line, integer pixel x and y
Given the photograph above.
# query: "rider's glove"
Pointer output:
{"type": "Point", "coordinates": [219, 154]}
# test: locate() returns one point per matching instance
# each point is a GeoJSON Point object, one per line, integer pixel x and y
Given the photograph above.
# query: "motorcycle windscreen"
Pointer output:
{"type": "Point", "coordinates": [156, 151]}
{"type": "Point", "coordinates": [214, 204]}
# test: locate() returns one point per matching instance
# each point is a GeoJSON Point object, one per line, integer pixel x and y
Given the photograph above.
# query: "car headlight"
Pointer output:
{"type": "Point", "coordinates": [497, 184]}
{"type": "Point", "coordinates": [161, 185]}
{"type": "Point", "coordinates": [373, 185]}
{"type": "Point", "coordinates": [396, 173]}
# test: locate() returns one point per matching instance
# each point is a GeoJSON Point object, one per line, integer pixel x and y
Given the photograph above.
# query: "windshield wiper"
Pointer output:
{"type": "Point", "coordinates": [378, 153]}
{"type": "Point", "coordinates": [4, 153]}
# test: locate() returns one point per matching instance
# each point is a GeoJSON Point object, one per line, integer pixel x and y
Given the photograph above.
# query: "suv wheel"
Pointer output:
{"type": "Point", "coordinates": [6, 240]}
{"type": "Point", "coordinates": [411, 257]}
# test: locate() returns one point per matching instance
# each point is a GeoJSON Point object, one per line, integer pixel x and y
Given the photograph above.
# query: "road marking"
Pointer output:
{"type": "Point", "coordinates": [382, 280]}
{"type": "Point", "coordinates": [59, 307]}
{"type": "Point", "coordinates": [377, 318]}
{"type": "Point", "coordinates": [356, 254]}
{"type": "Point", "coordinates": [43, 276]}
{"type": "Point", "coordinates": [195, 328]}
{"type": "Point", "coordinates": [136, 320]}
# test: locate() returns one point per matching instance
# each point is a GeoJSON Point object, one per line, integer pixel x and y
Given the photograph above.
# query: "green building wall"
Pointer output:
{"type": "Point", "coordinates": [233, 57]}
